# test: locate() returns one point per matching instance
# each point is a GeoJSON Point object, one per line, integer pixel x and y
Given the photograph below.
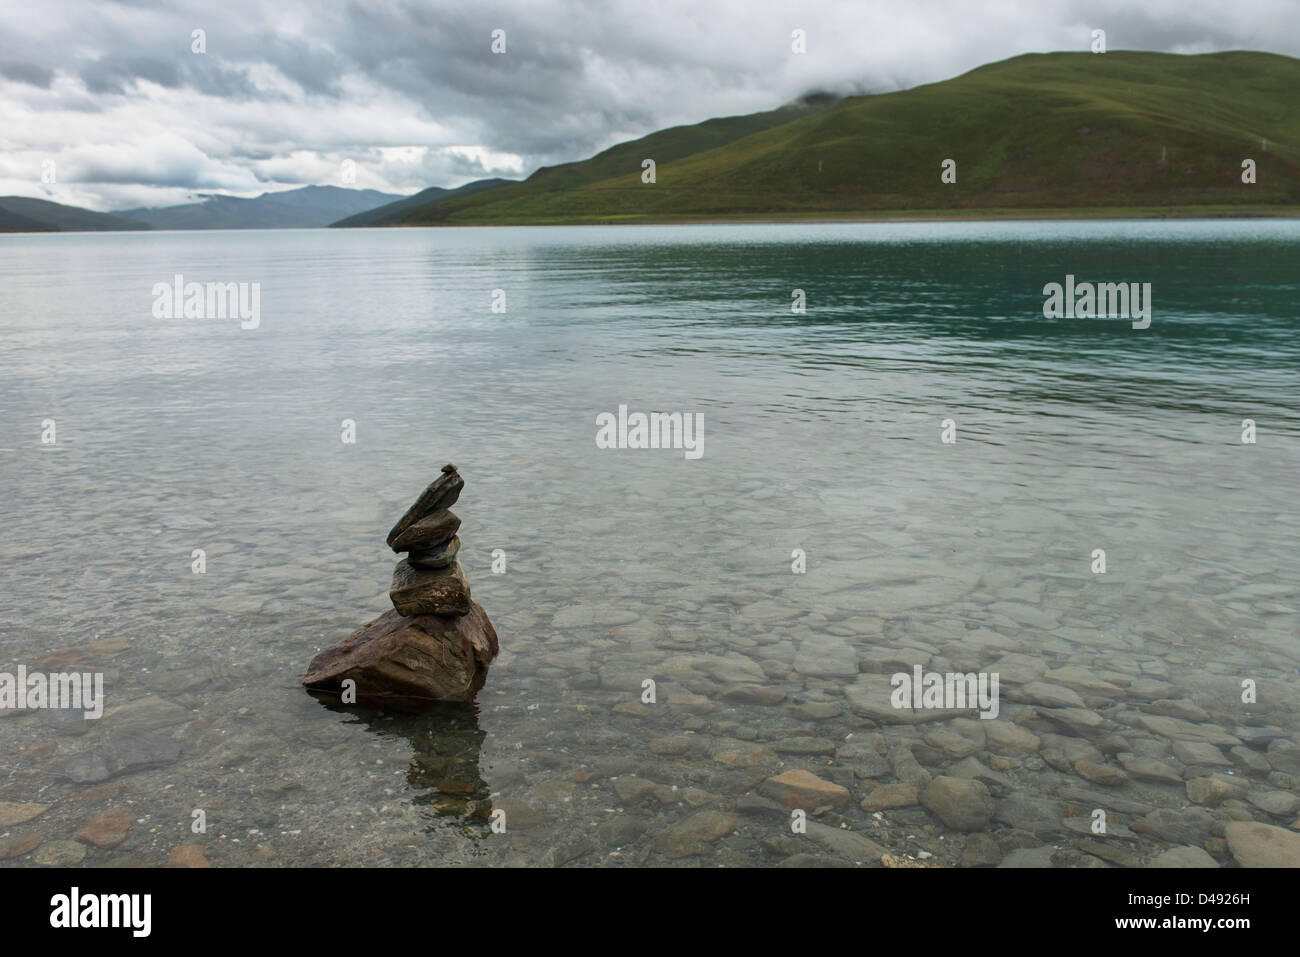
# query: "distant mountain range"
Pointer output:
{"type": "Point", "coordinates": [304, 208]}
{"type": "Point", "coordinates": [1119, 133]}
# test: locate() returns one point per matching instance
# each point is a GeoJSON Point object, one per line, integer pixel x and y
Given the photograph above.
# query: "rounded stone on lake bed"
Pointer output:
{"type": "Point", "coordinates": [1199, 753]}
{"type": "Point", "coordinates": [962, 804]}
{"type": "Point", "coordinates": [1213, 790]}
{"type": "Point", "coordinates": [981, 851]}
{"type": "Point", "coordinates": [890, 796]}
{"type": "Point", "coordinates": [1278, 803]}
{"type": "Point", "coordinates": [187, 855]}
{"type": "Point", "coordinates": [1262, 845]}
{"type": "Point", "coordinates": [1102, 774]}
{"type": "Point", "coordinates": [17, 846]}
{"type": "Point", "coordinates": [1185, 856]}
{"type": "Point", "coordinates": [671, 745]}
{"type": "Point", "coordinates": [1150, 769]}
{"type": "Point", "coordinates": [12, 812]}
{"type": "Point", "coordinates": [432, 591]}
{"type": "Point", "coordinates": [60, 853]}
{"type": "Point", "coordinates": [802, 789]}
{"type": "Point", "coordinates": [107, 829]}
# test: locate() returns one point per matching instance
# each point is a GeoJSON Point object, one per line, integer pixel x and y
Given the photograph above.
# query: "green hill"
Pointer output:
{"type": "Point", "coordinates": [664, 146]}
{"type": "Point", "coordinates": [1090, 133]}
{"type": "Point", "coordinates": [23, 214]}
{"type": "Point", "coordinates": [391, 213]}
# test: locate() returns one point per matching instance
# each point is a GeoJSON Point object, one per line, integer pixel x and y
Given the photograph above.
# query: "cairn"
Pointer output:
{"type": "Point", "coordinates": [436, 644]}
{"type": "Point", "coordinates": [430, 581]}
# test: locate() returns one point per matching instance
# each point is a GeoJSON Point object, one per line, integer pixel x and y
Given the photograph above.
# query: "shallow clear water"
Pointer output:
{"type": "Point", "coordinates": [822, 432]}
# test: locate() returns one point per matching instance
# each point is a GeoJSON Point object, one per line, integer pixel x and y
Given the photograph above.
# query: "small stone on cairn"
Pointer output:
{"type": "Point", "coordinates": [436, 644]}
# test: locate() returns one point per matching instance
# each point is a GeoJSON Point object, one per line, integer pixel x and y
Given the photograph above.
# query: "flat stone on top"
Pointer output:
{"type": "Point", "coordinates": [441, 493]}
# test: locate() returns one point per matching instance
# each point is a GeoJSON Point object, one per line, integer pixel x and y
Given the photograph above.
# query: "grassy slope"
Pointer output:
{"type": "Point", "coordinates": [391, 213]}
{"type": "Point", "coordinates": [664, 146]}
{"type": "Point", "coordinates": [56, 216]}
{"type": "Point", "coordinates": [1057, 131]}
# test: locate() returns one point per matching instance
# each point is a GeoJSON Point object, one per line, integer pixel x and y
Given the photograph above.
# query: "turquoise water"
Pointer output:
{"type": "Point", "coordinates": [822, 432]}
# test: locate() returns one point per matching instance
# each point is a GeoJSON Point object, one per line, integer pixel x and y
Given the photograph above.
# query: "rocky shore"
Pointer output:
{"type": "Point", "coordinates": [1109, 750]}
{"type": "Point", "coordinates": [773, 695]}
{"type": "Point", "coordinates": [1187, 775]}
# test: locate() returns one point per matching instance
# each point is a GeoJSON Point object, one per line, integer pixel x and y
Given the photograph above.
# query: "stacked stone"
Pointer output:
{"type": "Point", "coordinates": [436, 644]}
{"type": "Point", "coordinates": [430, 581]}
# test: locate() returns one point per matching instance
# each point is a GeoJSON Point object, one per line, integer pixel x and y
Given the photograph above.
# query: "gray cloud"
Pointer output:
{"type": "Point", "coordinates": [31, 73]}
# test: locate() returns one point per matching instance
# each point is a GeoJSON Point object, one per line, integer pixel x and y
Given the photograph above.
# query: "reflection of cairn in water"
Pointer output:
{"type": "Point", "coordinates": [446, 742]}
{"type": "Point", "coordinates": [446, 763]}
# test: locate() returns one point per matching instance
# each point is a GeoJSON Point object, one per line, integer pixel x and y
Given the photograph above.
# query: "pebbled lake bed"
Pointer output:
{"type": "Point", "coordinates": [823, 437]}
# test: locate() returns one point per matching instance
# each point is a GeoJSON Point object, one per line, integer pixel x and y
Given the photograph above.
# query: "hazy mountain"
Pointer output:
{"type": "Point", "coordinates": [21, 214]}
{"type": "Point", "coordinates": [14, 223]}
{"type": "Point", "coordinates": [307, 207]}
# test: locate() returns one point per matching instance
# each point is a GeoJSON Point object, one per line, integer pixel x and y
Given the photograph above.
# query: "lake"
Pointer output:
{"type": "Point", "coordinates": [920, 469]}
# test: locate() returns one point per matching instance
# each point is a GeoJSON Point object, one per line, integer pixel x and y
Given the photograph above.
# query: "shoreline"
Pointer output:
{"type": "Point", "coordinates": [982, 215]}
{"type": "Point", "coordinates": [902, 216]}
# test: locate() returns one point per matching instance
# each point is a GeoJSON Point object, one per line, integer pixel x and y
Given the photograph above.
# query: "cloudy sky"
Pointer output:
{"type": "Point", "coordinates": [287, 91]}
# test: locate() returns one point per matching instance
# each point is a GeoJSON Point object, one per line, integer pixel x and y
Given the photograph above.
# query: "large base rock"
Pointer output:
{"type": "Point", "coordinates": [406, 664]}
